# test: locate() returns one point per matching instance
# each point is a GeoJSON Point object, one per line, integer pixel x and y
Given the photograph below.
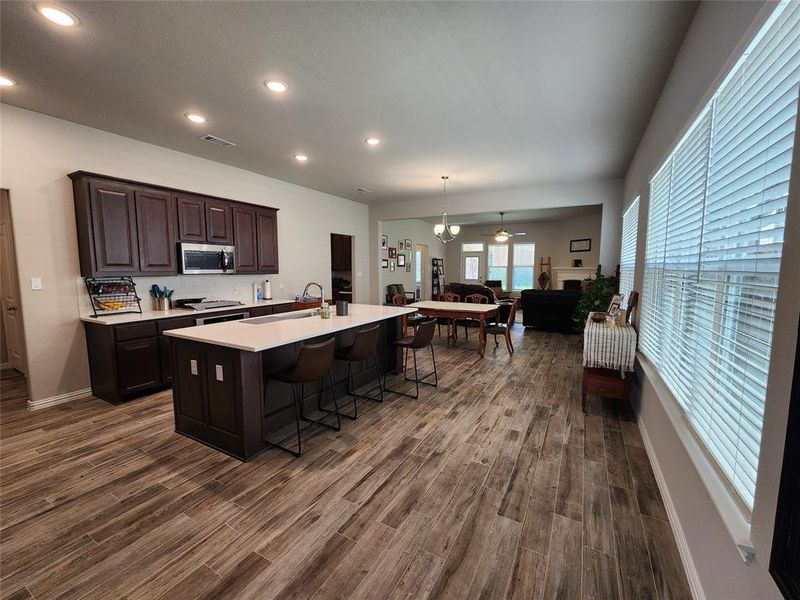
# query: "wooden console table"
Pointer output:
{"type": "Point", "coordinates": [608, 354]}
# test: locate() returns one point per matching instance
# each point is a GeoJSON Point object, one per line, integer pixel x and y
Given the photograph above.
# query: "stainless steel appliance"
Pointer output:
{"type": "Point", "coordinates": [198, 259]}
{"type": "Point", "coordinates": [208, 320]}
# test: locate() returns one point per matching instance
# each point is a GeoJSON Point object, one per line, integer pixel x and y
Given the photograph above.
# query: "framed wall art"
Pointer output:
{"type": "Point", "coordinates": [584, 245]}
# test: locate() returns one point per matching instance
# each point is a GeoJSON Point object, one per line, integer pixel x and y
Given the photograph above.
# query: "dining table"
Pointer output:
{"type": "Point", "coordinates": [459, 310]}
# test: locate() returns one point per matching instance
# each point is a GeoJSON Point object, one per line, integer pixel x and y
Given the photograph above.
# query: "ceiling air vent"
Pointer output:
{"type": "Point", "coordinates": [362, 190]}
{"type": "Point", "coordinates": [216, 140]}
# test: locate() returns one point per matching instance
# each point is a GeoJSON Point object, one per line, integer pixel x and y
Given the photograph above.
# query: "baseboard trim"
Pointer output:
{"type": "Point", "coordinates": [60, 399]}
{"type": "Point", "coordinates": [680, 538]}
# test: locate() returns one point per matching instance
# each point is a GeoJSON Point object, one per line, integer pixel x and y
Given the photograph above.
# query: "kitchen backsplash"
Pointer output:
{"type": "Point", "coordinates": [217, 287]}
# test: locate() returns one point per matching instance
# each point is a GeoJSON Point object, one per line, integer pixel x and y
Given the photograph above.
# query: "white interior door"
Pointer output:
{"type": "Point", "coordinates": [472, 267]}
{"type": "Point", "coordinates": [9, 295]}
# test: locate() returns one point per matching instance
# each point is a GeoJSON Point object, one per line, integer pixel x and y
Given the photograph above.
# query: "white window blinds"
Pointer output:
{"type": "Point", "coordinates": [713, 251]}
{"type": "Point", "coordinates": [627, 259]}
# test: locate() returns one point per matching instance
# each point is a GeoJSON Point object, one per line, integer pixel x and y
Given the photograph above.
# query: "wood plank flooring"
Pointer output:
{"type": "Point", "coordinates": [494, 485]}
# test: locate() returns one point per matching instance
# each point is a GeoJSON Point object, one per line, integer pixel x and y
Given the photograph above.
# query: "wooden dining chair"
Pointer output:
{"type": "Point", "coordinates": [465, 323]}
{"type": "Point", "coordinates": [412, 319]}
{"type": "Point", "coordinates": [504, 329]}
{"type": "Point", "coordinates": [446, 297]}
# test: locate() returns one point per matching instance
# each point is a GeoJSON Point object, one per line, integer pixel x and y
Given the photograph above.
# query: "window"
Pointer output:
{"type": "Point", "coordinates": [627, 259]}
{"type": "Point", "coordinates": [713, 251]}
{"type": "Point", "coordinates": [522, 271]}
{"type": "Point", "coordinates": [472, 267]}
{"type": "Point", "coordinates": [472, 247]}
{"type": "Point", "coordinates": [497, 264]}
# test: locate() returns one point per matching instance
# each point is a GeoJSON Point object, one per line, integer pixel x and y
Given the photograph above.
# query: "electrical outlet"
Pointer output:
{"type": "Point", "coordinates": [36, 283]}
{"type": "Point", "coordinates": [193, 367]}
{"type": "Point", "coordinates": [219, 372]}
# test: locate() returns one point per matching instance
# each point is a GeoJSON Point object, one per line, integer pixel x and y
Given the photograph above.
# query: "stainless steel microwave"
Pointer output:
{"type": "Point", "coordinates": [199, 259]}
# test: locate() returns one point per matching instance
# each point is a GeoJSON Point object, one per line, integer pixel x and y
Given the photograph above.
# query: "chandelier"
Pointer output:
{"type": "Point", "coordinates": [443, 231]}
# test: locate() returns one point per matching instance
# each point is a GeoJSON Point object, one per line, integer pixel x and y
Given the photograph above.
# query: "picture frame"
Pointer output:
{"type": "Point", "coordinates": [577, 263]}
{"type": "Point", "coordinates": [408, 267]}
{"type": "Point", "coordinates": [401, 260]}
{"type": "Point", "coordinates": [400, 245]}
{"type": "Point", "coordinates": [408, 244]}
{"type": "Point", "coordinates": [384, 263]}
{"type": "Point", "coordinates": [392, 252]}
{"type": "Point", "coordinates": [582, 245]}
{"type": "Point", "coordinates": [384, 242]}
{"type": "Point", "coordinates": [613, 306]}
{"type": "Point", "coordinates": [391, 265]}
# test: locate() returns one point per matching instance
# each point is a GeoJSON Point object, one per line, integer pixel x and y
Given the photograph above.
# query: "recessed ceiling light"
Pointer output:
{"type": "Point", "coordinates": [196, 117]}
{"type": "Point", "coordinates": [372, 141]}
{"type": "Point", "coordinates": [301, 157]}
{"type": "Point", "coordinates": [6, 81]}
{"type": "Point", "coordinates": [57, 15]}
{"type": "Point", "coordinates": [276, 86]}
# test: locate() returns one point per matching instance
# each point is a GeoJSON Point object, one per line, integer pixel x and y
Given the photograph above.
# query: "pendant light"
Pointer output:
{"type": "Point", "coordinates": [443, 231]}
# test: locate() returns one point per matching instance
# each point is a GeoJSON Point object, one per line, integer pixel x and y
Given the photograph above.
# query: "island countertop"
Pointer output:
{"type": "Point", "coordinates": [262, 333]}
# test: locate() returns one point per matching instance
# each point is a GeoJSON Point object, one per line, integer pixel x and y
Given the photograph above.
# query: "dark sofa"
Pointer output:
{"type": "Point", "coordinates": [550, 310]}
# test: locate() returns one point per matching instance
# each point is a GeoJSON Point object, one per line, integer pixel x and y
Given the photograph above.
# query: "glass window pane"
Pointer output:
{"type": "Point", "coordinates": [522, 278]}
{"type": "Point", "coordinates": [472, 247]}
{"type": "Point", "coordinates": [471, 265]}
{"type": "Point", "coordinates": [524, 255]}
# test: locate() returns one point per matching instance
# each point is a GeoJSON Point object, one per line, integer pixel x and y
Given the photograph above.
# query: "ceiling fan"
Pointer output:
{"type": "Point", "coordinates": [502, 234]}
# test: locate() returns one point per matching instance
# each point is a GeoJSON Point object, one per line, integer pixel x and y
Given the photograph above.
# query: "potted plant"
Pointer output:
{"type": "Point", "coordinates": [596, 297]}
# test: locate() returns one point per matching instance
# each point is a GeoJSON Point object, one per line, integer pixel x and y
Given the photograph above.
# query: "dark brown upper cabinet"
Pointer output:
{"type": "Point", "coordinates": [191, 218]}
{"type": "Point", "coordinates": [113, 221]}
{"type": "Point", "coordinates": [267, 235]}
{"type": "Point", "coordinates": [155, 220]}
{"type": "Point", "coordinates": [244, 235]}
{"type": "Point", "coordinates": [131, 228]}
{"type": "Point", "coordinates": [219, 226]}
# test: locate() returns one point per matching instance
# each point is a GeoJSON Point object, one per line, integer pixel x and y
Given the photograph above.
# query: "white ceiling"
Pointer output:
{"type": "Point", "coordinates": [498, 95]}
{"type": "Point", "coordinates": [521, 216]}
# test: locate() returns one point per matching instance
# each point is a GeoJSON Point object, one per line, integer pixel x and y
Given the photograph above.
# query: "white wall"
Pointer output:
{"type": "Point", "coordinates": [607, 193]}
{"type": "Point", "coordinates": [38, 152]}
{"type": "Point", "coordinates": [419, 232]}
{"type": "Point", "coordinates": [551, 238]}
{"type": "Point", "coordinates": [718, 35]}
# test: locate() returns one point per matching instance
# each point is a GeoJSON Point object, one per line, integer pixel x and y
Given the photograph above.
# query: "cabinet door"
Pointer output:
{"type": "Point", "coordinates": [267, 234]}
{"type": "Point", "coordinates": [219, 228]}
{"type": "Point", "coordinates": [261, 311]}
{"type": "Point", "coordinates": [244, 238]}
{"type": "Point", "coordinates": [156, 226]}
{"type": "Point", "coordinates": [163, 344]}
{"type": "Point", "coordinates": [113, 210]}
{"type": "Point", "coordinates": [138, 365]}
{"type": "Point", "coordinates": [191, 218]}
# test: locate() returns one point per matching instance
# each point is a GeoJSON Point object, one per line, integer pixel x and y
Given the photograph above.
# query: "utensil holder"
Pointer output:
{"type": "Point", "coordinates": [160, 303]}
{"type": "Point", "coordinates": [341, 308]}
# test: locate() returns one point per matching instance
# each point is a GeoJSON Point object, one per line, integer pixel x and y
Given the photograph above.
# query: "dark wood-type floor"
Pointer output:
{"type": "Point", "coordinates": [496, 485]}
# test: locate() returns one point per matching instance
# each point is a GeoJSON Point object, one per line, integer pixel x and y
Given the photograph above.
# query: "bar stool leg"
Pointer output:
{"type": "Point", "coordinates": [338, 425]}
{"type": "Point", "coordinates": [299, 450]}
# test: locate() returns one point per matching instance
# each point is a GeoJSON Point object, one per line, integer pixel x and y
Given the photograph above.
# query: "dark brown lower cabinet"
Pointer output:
{"type": "Point", "coordinates": [138, 365]}
{"type": "Point", "coordinates": [163, 344]}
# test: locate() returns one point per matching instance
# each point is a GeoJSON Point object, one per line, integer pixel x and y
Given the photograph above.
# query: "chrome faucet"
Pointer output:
{"type": "Point", "coordinates": [321, 292]}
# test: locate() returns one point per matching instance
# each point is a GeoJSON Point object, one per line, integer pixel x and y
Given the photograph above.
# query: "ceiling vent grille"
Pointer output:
{"type": "Point", "coordinates": [216, 140]}
{"type": "Point", "coordinates": [362, 190]}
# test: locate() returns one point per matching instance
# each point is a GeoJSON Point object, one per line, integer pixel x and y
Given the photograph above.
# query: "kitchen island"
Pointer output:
{"type": "Point", "coordinates": [218, 371]}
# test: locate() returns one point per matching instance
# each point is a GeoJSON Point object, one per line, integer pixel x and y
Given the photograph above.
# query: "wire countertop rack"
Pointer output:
{"type": "Point", "coordinates": [113, 295]}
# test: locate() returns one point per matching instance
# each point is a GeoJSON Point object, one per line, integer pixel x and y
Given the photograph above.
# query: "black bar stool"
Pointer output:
{"type": "Point", "coordinates": [422, 337]}
{"type": "Point", "coordinates": [313, 362]}
{"type": "Point", "coordinates": [365, 345]}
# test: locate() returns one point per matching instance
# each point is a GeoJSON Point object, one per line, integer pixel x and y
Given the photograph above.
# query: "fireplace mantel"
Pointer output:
{"type": "Point", "coordinates": [561, 274]}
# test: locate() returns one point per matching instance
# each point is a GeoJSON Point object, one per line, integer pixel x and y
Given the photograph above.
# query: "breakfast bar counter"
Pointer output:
{"type": "Point", "coordinates": [219, 371]}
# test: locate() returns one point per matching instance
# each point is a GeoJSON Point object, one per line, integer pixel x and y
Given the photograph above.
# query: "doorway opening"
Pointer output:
{"type": "Point", "coordinates": [420, 262]}
{"type": "Point", "coordinates": [342, 267]}
{"type": "Point", "coordinates": [12, 339]}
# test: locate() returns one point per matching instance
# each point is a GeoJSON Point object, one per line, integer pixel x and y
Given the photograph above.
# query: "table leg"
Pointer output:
{"type": "Point", "coordinates": [482, 337]}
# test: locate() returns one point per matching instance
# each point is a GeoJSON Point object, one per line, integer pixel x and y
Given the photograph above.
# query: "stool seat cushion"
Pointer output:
{"type": "Point", "coordinates": [406, 342]}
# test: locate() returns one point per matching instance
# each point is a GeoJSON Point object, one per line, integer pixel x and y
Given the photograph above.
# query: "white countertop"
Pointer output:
{"type": "Point", "coordinates": [283, 331]}
{"type": "Point", "coordinates": [121, 319]}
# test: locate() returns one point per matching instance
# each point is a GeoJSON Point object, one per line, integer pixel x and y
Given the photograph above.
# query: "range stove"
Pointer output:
{"type": "Point", "coordinates": [203, 304]}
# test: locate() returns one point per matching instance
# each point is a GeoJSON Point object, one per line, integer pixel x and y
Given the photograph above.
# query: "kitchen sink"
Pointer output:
{"type": "Point", "coordinates": [298, 314]}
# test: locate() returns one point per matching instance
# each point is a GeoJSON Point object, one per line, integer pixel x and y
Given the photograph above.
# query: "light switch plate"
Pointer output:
{"type": "Point", "coordinates": [193, 366]}
{"type": "Point", "coordinates": [219, 373]}
{"type": "Point", "coordinates": [36, 283]}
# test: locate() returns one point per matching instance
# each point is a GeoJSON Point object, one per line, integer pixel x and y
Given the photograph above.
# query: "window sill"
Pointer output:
{"type": "Point", "coordinates": [735, 521]}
